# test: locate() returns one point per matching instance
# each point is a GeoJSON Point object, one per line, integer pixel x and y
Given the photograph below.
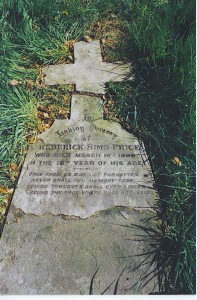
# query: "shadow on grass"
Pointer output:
{"type": "Point", "coordinates": [152, 270]}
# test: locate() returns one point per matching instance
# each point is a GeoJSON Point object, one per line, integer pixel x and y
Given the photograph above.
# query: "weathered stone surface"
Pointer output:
{"type": "Point", "coordinates": [84, 165]}
{"type": "Point", "coordinates": [88, 72]}
{"type": "Point", "coordinates": [52, 255]}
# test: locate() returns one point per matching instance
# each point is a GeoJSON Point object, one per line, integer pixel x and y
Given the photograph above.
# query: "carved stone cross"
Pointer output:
{"type": "Point", "coordinates": [85, 164]}
{"type": "Point", "coordinates": [88, 72]}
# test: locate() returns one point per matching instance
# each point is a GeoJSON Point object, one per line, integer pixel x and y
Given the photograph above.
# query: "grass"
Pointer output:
{"type": "Point", "coordinates": [160, 108]}
{"type": "Point", "coordinates": [158, 37]}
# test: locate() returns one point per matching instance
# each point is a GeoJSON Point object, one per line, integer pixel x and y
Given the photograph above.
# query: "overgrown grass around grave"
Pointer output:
{"type": "Point", "coordinates": [158, 36]}
{"type": "Point", "coordinates": [160, 107]}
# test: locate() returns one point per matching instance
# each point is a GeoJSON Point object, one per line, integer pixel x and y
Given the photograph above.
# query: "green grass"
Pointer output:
{"type": "Point", "coordinates": [158, 106]}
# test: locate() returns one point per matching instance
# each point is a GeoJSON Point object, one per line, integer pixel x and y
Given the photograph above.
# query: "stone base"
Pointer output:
{"type": "Point", "coordinates": [59, 255]}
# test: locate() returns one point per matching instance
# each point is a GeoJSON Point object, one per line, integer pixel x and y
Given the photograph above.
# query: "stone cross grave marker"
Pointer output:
{"type": "Point", "coordinates": [77, 168]}
{"type": "Point", "coordinates": [85, 164]}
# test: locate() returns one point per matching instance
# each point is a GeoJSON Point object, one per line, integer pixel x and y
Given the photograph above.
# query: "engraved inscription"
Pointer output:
{"type": "Point", "coordinates": [87, 177]}
{"type": "Point", "coordinates": [81, 167]}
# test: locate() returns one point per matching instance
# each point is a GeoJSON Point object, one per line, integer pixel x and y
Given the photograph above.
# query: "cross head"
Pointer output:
{"type": "Point", "coordinates": [89, 73]}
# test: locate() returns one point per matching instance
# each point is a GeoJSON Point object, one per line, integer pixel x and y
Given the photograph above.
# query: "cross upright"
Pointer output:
{"type": "Point", "coordinates": [89, 73]}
